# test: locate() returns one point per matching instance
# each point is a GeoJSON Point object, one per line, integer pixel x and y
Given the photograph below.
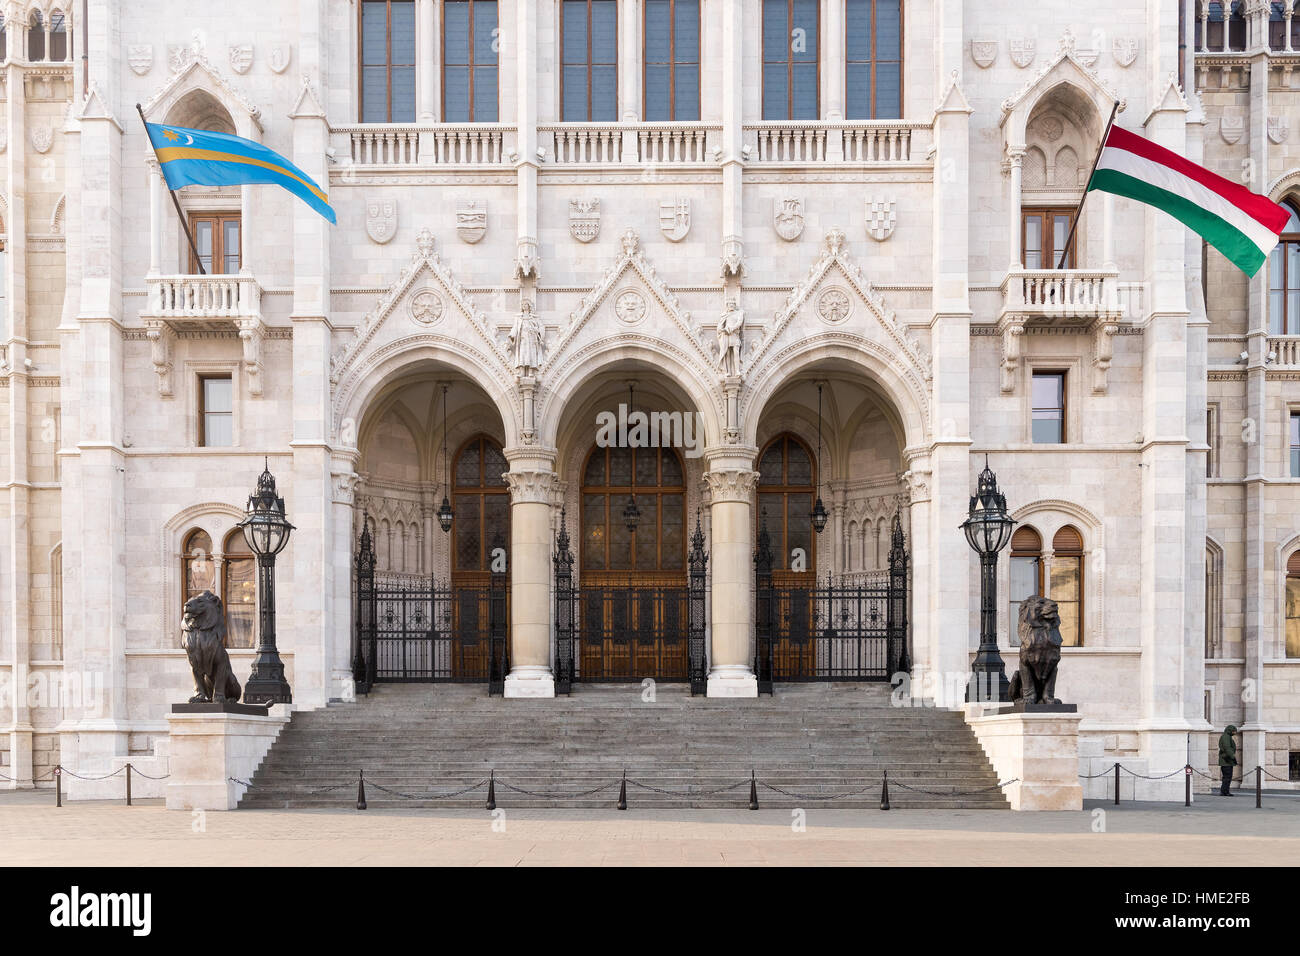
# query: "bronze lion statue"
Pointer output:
{"type": "Point", "coordinates": [1040, 652]}
{"type": "Point", "coordinates": [204, 626]}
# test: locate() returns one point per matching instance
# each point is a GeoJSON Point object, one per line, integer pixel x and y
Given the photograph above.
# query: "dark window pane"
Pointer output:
{"type": "Point", "coordinates": [688, 93]}
{"type": "Point", "coordinates": [467, 466]}
{"type": "Point", "coordinates": [889, 94]}
{"type": "Point", "coordinates": [604, 30]}
{"type": "Point", "coordinates": [657, 103]}
{"type": "Point", "coordinates": [647, 467]}
{"type": "Point", "coordinates": [403, 94]}
{"type": "Point", "coordinates": [804, 80]}
{"type": "Point", "coordinates": [496, 522]}
{"type": "Point", "coordinates": [374, 94]}
{"type": "Point", "coordinates": [468, 533]}
{"type": "Point", "coordinates": [673, 535]}
{"type": "Point", "coordinates": [455, 91]}
{"type": "Point", "coordinates": [686, 28]}
{"type": "Point", "coordinates": [671, 469]}
{"type": "Point", "coordinates": [403, 29]}
{"type": "Point", "coordinates": [658, 31]}
{"type": "Point", "coordinates": [771, 511]}
{"type": "Point", "coordinates": [770, 468]}
{"type": "Point", "coordinates": [857, 29]}
{"type": "Point", "coordinates": [775, 36]}
{"type": "Point", "coordinates": [494, 465]}
{"type": "Point", "coordinates": [217, 395]}
{"type": "Point", "coordinates": [1047, 430]}
{"type": "Point", "coordinates": [485, 94]}
{"type": "Point", "coordinates": [799, 467]}
{"type": "Point", "coordinates": [776, 105]}
{"type": "Point", "coordinates": [575, 94]}
{"type": "Point", "coordinates": [575, 31]}
{"type": "Point", "coordinates": [593, 532]}
{"type": "Point", "coordinates": [485, 36]}
{"type": "Point", "coordinates": [799, 526]}
{"type": "Point", "coordinates": [647, 533]}
{"type": "Point", "coordinates": [620, 539]}
{"type": "Point", "coordinates": [1047, 391]}
{"type": "Point", "coordinates": [374, 34]}
{"type": "Point", "coordinates": [604, 92]}
{"type": "Point", "coordinates": [455, 34]}
{"type": "Point", "coordinates": [888, 30]}
{"type": "Point", "coordinates": [230, 245]}
{"type": "Point", "coordinates": [857, 91]}
{"type": "Point", "coordinates": [595, 474]}
{"type": "Point", "coordinates": [620, 467]}
{"type": "Point", "coordinates": [803, 32]}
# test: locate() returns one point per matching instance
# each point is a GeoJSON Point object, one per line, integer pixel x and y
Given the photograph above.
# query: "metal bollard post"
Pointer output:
{"type": "Point", "coordinates": [622, 792]}
{"type": "Point", "coordinates": [1259, 786]}
{"type": "Point", "coordinates": [1117, 783]}
{"type": "Point", "coordinates": [58, 785]}
{"type": "Point", "coordinates": [128, 783]}
{"type": "Point", "coordinates": [361, 789]}
{"type": "Point", "coordinates": [1187, 788]}
{"type": "Point", "coordinates": [753, 791]}
{"type": "Point", "coordinates": [492, 790]}
{"type": "Point", "coordinates": [884, 792]}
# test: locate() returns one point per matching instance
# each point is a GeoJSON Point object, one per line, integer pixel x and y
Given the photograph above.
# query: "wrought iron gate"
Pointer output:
{"type": "Point", "coordinates": [629, 631]}
{"type": "Point", "coordinates": [412, 630]}
{"type": "Point", "coordinates": [830, 630]}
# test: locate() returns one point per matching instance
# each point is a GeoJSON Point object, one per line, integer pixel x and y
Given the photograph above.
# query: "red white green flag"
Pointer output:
{"type": "Point", "coordinates": [1242, 225]}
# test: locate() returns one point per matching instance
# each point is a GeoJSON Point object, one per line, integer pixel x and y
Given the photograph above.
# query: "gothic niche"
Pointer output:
{"type": "Point", "coordinates": [1060, 139]}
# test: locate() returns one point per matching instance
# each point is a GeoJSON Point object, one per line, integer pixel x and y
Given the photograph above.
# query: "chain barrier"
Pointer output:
{"type": "Point", "coordinates": [69, 773]}
{"type": "Point", "coordinates": [810, 796]}
{"type": "Point", "coordinates": [688, 792]}
{"type": "Point", "coordinates": [424, 796]}
{"type": "Point", "coordinates": [957, 793]}
{"type": "Point", "coordinates": [558, 796]}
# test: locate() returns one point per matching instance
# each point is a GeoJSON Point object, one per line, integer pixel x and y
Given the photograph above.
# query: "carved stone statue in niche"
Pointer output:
{"type": "Point", "coordinates": [731, 337]}
{"type": "Point", "coordinates": [528, 340]}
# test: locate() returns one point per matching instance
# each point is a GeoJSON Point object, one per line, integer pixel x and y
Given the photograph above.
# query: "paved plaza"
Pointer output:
{"type": "Point", "coordinates": [1214, 831]}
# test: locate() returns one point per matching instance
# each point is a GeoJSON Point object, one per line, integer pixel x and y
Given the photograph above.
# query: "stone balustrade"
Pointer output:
{"type": "Point", "coordinates": [1068, 293]}
{"type": "Point", "coordinates": [647, 144]}
{"type": "Point", "coordinates": [396, 144]}
{"type": "Point", "coordinates": [203, 297]}
{"type": "Point", "coordinates": [1286, 348]}
{"type": "Point", "coordinates": [872, 143]}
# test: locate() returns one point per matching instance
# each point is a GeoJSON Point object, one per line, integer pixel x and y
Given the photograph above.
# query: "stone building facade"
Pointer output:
{"type": "Point", "coordinates": [840, 247]}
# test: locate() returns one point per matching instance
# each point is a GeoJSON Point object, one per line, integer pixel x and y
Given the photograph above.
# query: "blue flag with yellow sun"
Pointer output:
{"type": "Point", "coordinates": [195, 157]}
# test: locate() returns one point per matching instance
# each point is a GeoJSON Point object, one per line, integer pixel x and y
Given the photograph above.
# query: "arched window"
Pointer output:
{"type": "Point", "coordinates": [482, 505]}
{"type": "Point", "coordinates": [1213, 602]}
{"type": "Point", "coordinates": [239, 591]}
{"type": "Point", "coordinates": [1026, 574]}
{"type": "Point", "coordinates": [659, 541]}
{"type": "Point", "coordinates": [198, 573]}
{"type": "Point", "coordinates": [35, 37]}
{"type": "Point", "coordinates": [1293, 605]}
{"type": "Point", "coordinates": [1067, 583]}
{"type": "Point", "coordinates": [787, 483]}
{"type": "Point", "coordinates": [58, 37]}
{"type": "Point", "coordinates": [1284, 279]}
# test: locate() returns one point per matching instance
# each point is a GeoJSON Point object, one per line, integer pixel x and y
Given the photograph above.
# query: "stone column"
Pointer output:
{"type": "Point", "coordinates": [344, 481]}
{"type": "Point", "coordinates": [1015, 175]}
{"type": "Point", "coordinates": [733, 76]}
{"type": "Point", "coordinates": [425, 67]}
{"type": "Point", "coordinates": [156, 190]}
{"type": "Point", "coordinates": [531, 478]}
{"type": "Point", "coordinates": [526, 264]}
{"type": "Point", "coordinates": [629, 67]}
{"type": "Point", "coordinates": [834, 60]}
{"type": "Point", "coordinates": [732, 481]}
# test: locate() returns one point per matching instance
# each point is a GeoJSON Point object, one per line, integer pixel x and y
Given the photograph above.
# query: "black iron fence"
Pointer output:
{"type": "Point", "coordinates": [850, 629]}
{"type": "Point", "coordinates": [629, 629]}
{"type": "Point", "coordinates": [414, 630]}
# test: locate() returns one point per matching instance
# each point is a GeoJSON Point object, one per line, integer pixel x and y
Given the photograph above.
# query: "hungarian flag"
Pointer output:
{"type": "Point", "coordinates": [1242, 225]}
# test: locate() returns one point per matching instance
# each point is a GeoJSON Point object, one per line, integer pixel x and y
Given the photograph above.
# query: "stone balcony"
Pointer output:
{"type": "Point", "coordinates": [193, 304]}
{"type": "Point", "coordinates": [1091, 301]}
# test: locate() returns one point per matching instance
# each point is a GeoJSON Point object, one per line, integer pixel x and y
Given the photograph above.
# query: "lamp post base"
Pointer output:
{"type": "Point", "coordinates": [266, 684]}
{"type": "Point", "coordinates": [988, 680]}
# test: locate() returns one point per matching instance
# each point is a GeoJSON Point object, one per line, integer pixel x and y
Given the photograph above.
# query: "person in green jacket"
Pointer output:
{"type": "Point", "coordinates": [1227, 759]}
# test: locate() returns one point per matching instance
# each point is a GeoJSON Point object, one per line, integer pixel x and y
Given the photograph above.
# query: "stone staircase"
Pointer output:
{"type": "Point", "coordinates": [810, 740]}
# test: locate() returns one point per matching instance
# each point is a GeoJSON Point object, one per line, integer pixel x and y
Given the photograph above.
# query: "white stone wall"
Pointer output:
{"type": "Point", "coordinates": [917, 329]}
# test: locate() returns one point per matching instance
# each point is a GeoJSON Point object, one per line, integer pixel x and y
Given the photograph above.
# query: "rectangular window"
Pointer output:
{"type": "Point", "coordinates": [589, 61]}
{"type": "Point", "coordinates": [1048, 414]}
{"type": "Point", "coordinates": [1212, 440]}
{"type": "Point", "coordinates": [387, 52]}
{"type": "Point", "coordinates": [672, 60]}
{"type": "Point", "coordinates": [790, 60]}
{"type": "Point", "coordinates": [216, 412]}
{"type": "Point", "coordinates": [1293, 765]}
{"type": "Point", "coordinates": [873, 42]}
{"type": "Point", "coordinates": [1043, 235]}
{"type": "Point", "coordinates": [1284, 288]}
{"type": "Point", "coordinates": [1293, 616]}
{"type": "Point", "coordinates": [216, 236]}
{"type": "Point", "coordinates": [469, 61]}
{"type": "Point", "coordinates": [1295, 444]}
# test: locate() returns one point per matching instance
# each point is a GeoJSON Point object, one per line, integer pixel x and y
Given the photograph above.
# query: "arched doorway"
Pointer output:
{"type": "Point", "coordinates": [432, 590]}
{"type": "Point", "coordinates": [632, 573]}
{"type": "Point", "coordinates": [787, 488]}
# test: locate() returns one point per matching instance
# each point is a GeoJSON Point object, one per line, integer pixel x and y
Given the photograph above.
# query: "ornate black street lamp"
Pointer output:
{"type": "Point", "coordinates": [267, 532]}
{"type": "Point", "coordinates": [819, 510]}
{"type": "Point", "coordinates": [445, 514]}
{"type": "Point", "coordinates": [988, 530]}
{"type": "Point", "coordinates": [631, 513]}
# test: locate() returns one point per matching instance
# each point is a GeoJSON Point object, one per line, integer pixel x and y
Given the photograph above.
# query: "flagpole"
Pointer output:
{"type": "Point", "coordinates": [1074, 222]}
{"type": "Point", "coordinates": [171, 192]}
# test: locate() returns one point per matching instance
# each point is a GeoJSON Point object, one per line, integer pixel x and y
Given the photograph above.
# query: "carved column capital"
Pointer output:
{"type": "Point", "coordinates": [731, 484]}
{"type": "Point", "coordinates": [531, 486]}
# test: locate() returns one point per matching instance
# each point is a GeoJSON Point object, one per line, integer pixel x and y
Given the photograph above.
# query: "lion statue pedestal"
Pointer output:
{"type": "Point", "coordinates": [1033, 685]}
{"type": "Point", "coordinates": [214, 741]}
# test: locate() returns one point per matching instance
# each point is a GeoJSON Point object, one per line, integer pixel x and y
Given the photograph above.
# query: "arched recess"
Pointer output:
{"type": "Point", "coordinates": [1288, 599]}
{"type": "Point", "coordinates": [638, 357]}
{"type": "Point", "coordinates": [1214, 623]}
{"type": "Point", "coordinates": [216, 520]}
{"type": "Point", "coordinates": [903, 399]}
